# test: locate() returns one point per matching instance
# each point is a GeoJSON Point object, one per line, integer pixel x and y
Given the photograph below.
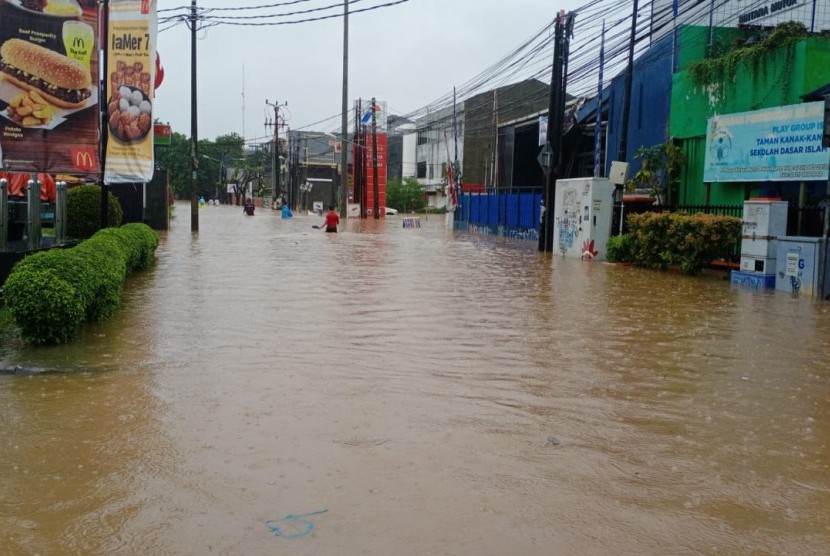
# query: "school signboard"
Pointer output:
{"type": "Point", "coordinates": [775, 144]}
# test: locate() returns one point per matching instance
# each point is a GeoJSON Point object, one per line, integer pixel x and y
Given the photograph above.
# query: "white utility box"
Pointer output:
{"type": "Point", "coordinates": [764, 221]}
{"type": "Point", "coordinates": [582, 217]}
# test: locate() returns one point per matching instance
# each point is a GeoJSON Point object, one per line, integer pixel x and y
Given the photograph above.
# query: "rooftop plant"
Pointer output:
{"type": "Point", "coordinates": [717, 69]}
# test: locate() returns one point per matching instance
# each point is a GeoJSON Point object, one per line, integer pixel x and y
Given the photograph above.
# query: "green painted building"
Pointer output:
{"type": "Point", "coordinates": [774, 76]}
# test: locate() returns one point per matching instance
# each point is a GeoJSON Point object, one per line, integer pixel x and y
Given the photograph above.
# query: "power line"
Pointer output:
{"type": "Point", "coordinates": [213, 21]}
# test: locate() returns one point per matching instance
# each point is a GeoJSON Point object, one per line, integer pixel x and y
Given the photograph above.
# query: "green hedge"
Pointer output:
{"type": "Point", "coordinates": [83, 211]}
{"type": "Point", "coordinates": [619, 248]}
{"type": "Point", "coordinates": [690, 242]}
{"type": "Point", "coordinates": [51, 293]}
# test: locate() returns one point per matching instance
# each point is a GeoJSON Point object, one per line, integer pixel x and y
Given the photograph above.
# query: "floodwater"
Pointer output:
{"type": "Point", "coordinates": [434, 392]}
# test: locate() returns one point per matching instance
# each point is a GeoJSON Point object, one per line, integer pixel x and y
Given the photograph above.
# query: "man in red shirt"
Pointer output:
{"type": "Point", "coordinates": [332, 220]}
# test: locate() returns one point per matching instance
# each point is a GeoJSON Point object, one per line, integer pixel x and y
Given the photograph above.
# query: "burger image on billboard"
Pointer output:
{"type": "Point", "coordinates": [61, 81]}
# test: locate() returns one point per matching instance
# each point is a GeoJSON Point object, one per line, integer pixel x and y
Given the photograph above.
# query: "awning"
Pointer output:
{"type": "Point", "coordinates": [818, 94]}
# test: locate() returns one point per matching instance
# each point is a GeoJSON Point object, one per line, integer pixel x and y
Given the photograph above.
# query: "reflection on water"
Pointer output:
{"type": "Point", "coordinates": [438, 393]}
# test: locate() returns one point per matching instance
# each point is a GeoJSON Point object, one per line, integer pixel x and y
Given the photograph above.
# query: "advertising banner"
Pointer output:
{"type": "Point", "coordinates": [162, 134]}
{"type": "Point", "coordinates": [130, 75]}
{"type": "Point", "coordinates": [775, 144]}
{"type": "Point", "coordinates": [49, 111]}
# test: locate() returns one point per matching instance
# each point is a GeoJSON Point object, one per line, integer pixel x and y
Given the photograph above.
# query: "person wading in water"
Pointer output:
{"type": "Point", "coordinates": [332, 220]}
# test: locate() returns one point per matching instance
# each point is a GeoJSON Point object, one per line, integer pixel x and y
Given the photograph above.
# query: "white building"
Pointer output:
{"type": "Point", "coordinates": [436, 142]}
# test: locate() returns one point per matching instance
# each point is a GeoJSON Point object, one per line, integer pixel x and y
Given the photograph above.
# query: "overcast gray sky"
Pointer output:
{"type": "Point", "coordinates": [408, 55]}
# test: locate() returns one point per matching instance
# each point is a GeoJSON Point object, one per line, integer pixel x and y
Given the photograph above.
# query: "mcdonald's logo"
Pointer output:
{"type": "Point", "coordinates": [84, 159]}
{"type": "Point", "coordinates": [79, 42]}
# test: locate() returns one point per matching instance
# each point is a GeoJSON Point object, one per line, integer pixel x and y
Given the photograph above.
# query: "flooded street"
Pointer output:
{"type": "Point", "coordinates": [435, 392]}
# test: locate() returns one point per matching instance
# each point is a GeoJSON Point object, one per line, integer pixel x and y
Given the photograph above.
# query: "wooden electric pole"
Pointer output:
{"type": "Point", "coordinates": [344, 117]}
{"type": "Point", "coordinates": [194, 135]}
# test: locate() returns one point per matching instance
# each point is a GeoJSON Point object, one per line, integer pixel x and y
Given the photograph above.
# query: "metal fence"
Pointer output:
{"type": "Point", "coordinates": [510, 214]}
{"type": "Point", "coordinates": [807, 221]}
{"type": "Point", "coordinates": [515, 213]}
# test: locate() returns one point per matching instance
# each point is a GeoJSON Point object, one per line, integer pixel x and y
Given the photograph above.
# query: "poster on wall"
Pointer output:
{"type": "Point", "coordinates": [49, 110]}
{"type": "Point", "coordinates": [129, 79]}
{"type": "Point", "coordinates": [774, 144]}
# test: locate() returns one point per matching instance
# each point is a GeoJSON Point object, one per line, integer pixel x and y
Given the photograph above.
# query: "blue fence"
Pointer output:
{"type": "Point", "coordinates": [505, 214]}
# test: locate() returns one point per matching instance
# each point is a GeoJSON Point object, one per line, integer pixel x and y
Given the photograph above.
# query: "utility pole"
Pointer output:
{"type": "Point", "coordinates": [546, 220]}
{"type": "Point", "coordinates": [275, 163]}
{"type": "Point", "coordinates": [344, 117]}
{"type": "Point", "coordinates": [292, 166]}
{"type": "Point", "coordinates": [376, 209]}
{"type": "Point", "coordinates": [360, 160]}
{"type": "Point", "coordinates": [556, 110]}
{"type": "Point", "coordinates": [104, 187]}
{"type": "Point", "coordinates": [305, 165]}
{"type": "Point", "coordinates": [194, 135]}
{"type": "Point", "coordinates": [494, 152]}
{"type": "Point", "coordinates": [629, 73]}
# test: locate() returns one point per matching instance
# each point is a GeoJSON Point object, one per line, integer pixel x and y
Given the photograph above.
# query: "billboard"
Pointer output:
{"type": "Point", "coordinates": [382, 158]}
{"type": "Point", "coordinates": [775, 144]}
{"type": "Point", "coordinates": [48, 87]}
{"type": "Point", "coordinates": [735, 13]}
{"type": "Point", "coordinates": [129, 85]}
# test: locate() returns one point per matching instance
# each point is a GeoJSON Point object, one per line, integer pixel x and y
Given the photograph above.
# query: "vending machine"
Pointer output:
{"type": "Point", "coordinates": [583, 212]}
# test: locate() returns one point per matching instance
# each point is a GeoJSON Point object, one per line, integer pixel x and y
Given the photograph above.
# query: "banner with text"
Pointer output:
{"type": "Point", "coordinates": [49, 93]}
{"type": "Point", "coordinates": [775, 144]}
{"type": "Point", "coordinates": [131, 44]}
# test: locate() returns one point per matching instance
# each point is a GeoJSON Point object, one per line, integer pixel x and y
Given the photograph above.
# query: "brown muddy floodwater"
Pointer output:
{"type": "Point", "coordinates": [435, 392]}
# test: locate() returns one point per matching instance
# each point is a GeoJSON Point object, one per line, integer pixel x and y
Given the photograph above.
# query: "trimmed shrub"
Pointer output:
{"type": "Point", "coordinates": [619, 248]}
{"type": "Point", "coordinates": [50, 293]}
{"type": "Point", "coordinates": [70, 267]}
{"type": "Point", "coordinates": [47, 309]}
{"type": "Point", "coordinates": [149, 243]}
{"type": "Point", "coordinates": [109, 257]}
{"type": "Point", "coordinates": [690, 242]}
{"type": "Point", "coordinates": [83, 211]}
{"type": "Point", "coordinates": [128, 245]}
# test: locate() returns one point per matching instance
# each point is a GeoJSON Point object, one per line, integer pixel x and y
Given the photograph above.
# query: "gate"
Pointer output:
{"type": "Point", "coordinates": [511, 213]}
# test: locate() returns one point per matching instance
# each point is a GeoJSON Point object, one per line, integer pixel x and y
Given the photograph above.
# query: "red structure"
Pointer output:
{"type": "Point", "coordinates": [367, 136]}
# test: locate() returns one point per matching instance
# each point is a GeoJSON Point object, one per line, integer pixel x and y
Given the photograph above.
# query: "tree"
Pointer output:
{"type": "Point", "coordinates": [215, 158]}
{"type": "Point", "coordinates": [405, 195]}
{"type": "Point", "coordinates": [175, 158]}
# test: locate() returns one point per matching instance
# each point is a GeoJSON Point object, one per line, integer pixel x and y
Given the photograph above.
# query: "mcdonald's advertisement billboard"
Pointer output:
{"type": "Point", "coordinates": [49, 110]}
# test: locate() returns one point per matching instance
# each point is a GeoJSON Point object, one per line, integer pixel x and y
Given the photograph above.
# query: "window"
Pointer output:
{"type": "Point", "coordinates": [421, 172]}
